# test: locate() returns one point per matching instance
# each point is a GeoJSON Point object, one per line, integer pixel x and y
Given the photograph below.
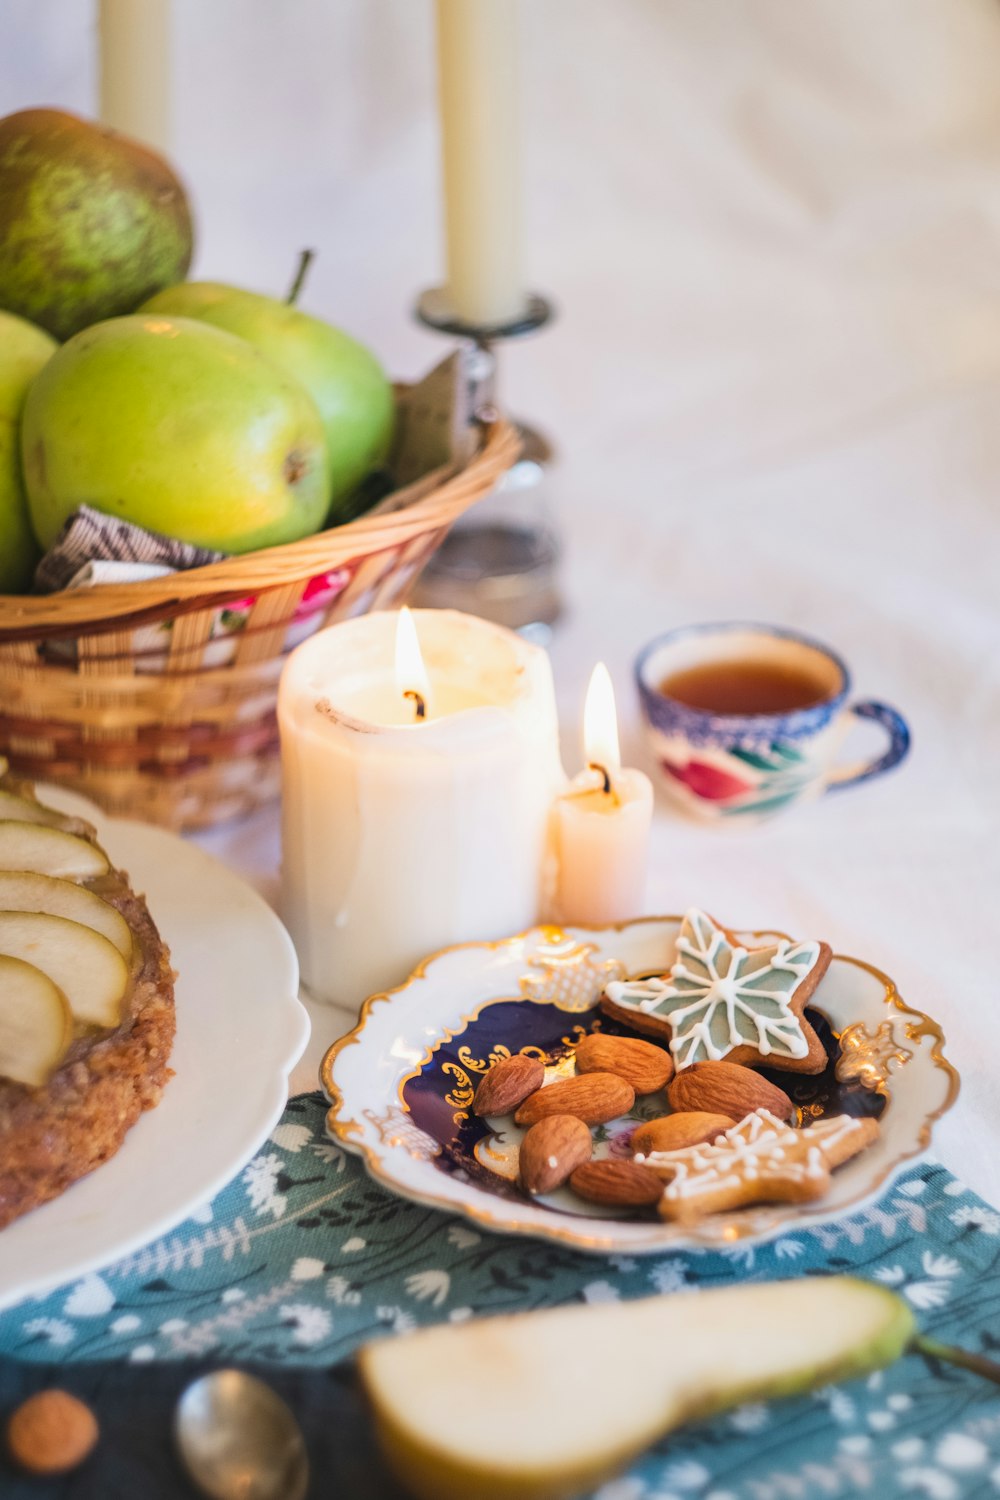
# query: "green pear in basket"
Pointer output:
{"type": "Point", "coordinates": [24, 349]}
{"type": "Point", "coordinates": [344, 379]}
{"type": "Point", "coordinates": [91, 223]}
{"type": "Point", "coordinates": [178, 427]}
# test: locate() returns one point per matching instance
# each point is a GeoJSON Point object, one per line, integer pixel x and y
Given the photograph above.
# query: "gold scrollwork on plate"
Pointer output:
{"type": "Point", "coordinates": [569, 974]}
{"type": "Point", "coordinates": [498, 1053]}
{"type": "Point", "coordinates": [870, 1056]}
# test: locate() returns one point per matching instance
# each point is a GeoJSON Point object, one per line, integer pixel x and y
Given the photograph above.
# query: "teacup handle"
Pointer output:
{"type": "Point", "coordinates": [895, 727]}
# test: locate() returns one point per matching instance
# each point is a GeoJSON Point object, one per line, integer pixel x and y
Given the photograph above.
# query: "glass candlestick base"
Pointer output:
{"type": "Point", "coordinates": [500, 561]}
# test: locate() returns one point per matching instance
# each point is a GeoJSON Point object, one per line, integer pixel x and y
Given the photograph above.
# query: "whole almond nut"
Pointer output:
{"type": "Point", "coordinates": [645, 1067]}
{"type": "Point", "coordinates": [617, 1184]}
{"type": "Point", "coordinates": [508, 1084]}
{"type": "Point", "coordinates": [676, 1132]}
{"type": "Point", "coordinates": [591, 1097]}
{"type": "Point", "coordinates": [723, 1088]}
{"type": "Point", "coordinates": [551, 1150]}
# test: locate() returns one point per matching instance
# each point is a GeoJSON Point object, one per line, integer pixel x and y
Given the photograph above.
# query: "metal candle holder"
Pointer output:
{"type": "Point", "coordinates": [501, 562]}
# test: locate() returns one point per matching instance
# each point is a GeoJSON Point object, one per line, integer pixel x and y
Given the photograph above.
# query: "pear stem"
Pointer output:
{"type": "Point", "coordinates": [306, 258]}
{"type": "Point", "coordinates": [989, 1369]}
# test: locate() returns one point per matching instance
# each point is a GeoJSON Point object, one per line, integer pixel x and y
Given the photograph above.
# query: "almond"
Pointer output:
{"type": "Point", "coordinates": [676, 1132]}
{"type": "Point", "coordinates": [617, 1184]}
{"type": "Point", "coordinates": [508, 1084]}
{"type": "Point", "coordinates": [551, 1150]}
{"type": "Point", "coordinates": [645, 1067]}
{"type": "Point", "coordinates": [591, 1097]}
{"type": "Point", "coordinates": [727, 1089]}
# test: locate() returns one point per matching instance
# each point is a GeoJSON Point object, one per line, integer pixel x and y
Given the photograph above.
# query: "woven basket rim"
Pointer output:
{"type": "Point", "coordinates": [220, 582]}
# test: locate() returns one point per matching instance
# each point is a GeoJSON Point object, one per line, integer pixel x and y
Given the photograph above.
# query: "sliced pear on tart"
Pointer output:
{"type": "Point", "coordinates": [49, 851]}
{"type": "Point", "coordinates": [87, 968]}
{"type": "Point", "coordinates": [25, 809]}
{"type": "Point", "coordinates": [25, 890]}
{"type": "Point", "coordinates": [36, 1024]}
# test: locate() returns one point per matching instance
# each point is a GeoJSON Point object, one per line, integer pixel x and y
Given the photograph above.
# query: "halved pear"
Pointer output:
{"type": "Point", "coordinates": [546, 1405]}
{"type": "Point", "coordinates": [49, 851]}
{"type": "Point", "coordinates": [23, 890]}
{"type": "Point", "coordinates": [24, 810]}
{"type": "Point", "coordinates": [87, 968]}
{"type": "Point", "coordinates": [36, 1024]}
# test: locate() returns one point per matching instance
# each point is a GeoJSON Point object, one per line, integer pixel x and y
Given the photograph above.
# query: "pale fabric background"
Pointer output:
{"type": "Point", "coordinates": [773, 229]}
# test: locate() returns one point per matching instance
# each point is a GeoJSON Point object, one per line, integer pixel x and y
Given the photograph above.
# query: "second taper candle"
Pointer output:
{"type": "Point", "coordinates": [601, 823]}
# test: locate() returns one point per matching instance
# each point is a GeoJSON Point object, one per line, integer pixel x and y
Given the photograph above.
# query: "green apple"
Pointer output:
{"type": "Point", "coordinates": [346, 381]}
{"type": "Point", "coordinates": [91, 223]}
{"type": "Point", "coordinates": [179, 427]}
{"type": "Point", "coordinates": [546, 1405]}
{"type": "Point", "coordinates": [24, 349]}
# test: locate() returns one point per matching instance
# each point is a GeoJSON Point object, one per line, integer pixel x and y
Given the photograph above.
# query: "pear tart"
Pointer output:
{"type": "Point", "coordinates": [86, 1003]}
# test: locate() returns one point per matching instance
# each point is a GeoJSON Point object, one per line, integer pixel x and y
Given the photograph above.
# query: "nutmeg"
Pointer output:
{"type": "Point", "coordinates": [51, 1433]}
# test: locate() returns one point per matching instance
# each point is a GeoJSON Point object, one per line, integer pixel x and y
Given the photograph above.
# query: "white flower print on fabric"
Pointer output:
{"type": "Point", "coordinates": [977, 1216]}
{"type": "Point", "coordinates": [353, 1245]}
{"type": "Point", "coordinates": [52, 1330]}
{"type": "Point", "coordinates": [429, 1286]}
{"type": "Point", "coordinates": [90, 1298]}
{"type": "Point", "coordinates": [671, 1276]}
{"type": "Point", "coordinates": [720, 995]}
{"type": "Point", "coordinates": [261, 1182]}
{"type": "Point", "coordinates": [310, 1325]}
{"type": "Point", "coordinates": [462, 1238]}
{"type": "Point", "coordinates": [400, 1321]}
{"type": "Point", "coordinates": [291, 1138]}
{"type": "Point", "coordinates": [753, 1416]}
{"type": "Point", "coordinates": [340, 1291]}
{"type": "Point", "coordinates": [600, 1291]}
{"type": "Point", "coordinates": [307, 1268]}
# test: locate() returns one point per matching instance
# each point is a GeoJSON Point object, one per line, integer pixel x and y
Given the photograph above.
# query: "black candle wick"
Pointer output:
{"type": "Point", "coordinates": [418, 702]}
{"type": "Point", "coordinates": [602, 771]}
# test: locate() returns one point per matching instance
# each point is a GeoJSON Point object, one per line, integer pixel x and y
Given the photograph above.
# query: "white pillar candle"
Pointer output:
{"type": "Point", "coordinates": [406, 833]}
{"type": "Point", "coordinates": [135, 69]}
{"type": "Point", "coordinates": [478, 88]}
{"type": "Point", "coordinates": [601, 824]}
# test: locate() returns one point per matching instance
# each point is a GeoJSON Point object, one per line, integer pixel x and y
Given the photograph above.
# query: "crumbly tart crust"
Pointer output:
{"type": "Point", "coordinates": [51, 1136]}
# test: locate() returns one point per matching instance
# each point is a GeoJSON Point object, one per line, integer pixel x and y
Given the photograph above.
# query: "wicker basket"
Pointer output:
{"type": "Point", "coordinates": [157, 699]}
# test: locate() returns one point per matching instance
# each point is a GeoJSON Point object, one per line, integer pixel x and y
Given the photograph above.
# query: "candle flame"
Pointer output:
{"type": "Point", "coordinates": [600, 723]}
{"type": "Point", "coordinates": [411, 674]}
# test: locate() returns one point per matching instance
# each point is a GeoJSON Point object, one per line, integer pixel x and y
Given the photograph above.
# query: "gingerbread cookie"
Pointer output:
{"type": "Point", "coordinates": [721, 1000]}
{"type": "Point", "coordinates": [761, 1160]}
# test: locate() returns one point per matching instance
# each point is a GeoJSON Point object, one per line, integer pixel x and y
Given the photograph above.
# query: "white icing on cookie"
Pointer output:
{"type": "Point", "coordinates": [720, 996]}
{"type": "Point", "coordinates": [761, 1149]}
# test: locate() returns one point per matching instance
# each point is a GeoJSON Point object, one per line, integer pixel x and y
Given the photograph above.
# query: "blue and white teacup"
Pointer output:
{"type": "Point", "coordinates": [739, 768]}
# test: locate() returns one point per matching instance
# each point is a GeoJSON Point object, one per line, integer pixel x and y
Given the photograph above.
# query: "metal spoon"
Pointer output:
{"type": "Point", "coordinates": [239, 1441]}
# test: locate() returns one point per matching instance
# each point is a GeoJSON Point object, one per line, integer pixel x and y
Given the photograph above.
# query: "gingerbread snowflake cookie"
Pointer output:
{"type": "Point", "coordinates": [760, 1160]}
{"type": "Point", "coordinates": [721, 1000]}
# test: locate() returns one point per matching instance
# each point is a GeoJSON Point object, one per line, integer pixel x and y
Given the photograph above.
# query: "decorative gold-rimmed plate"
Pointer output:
{"type": "Point", "coordinates": [401, 1083]}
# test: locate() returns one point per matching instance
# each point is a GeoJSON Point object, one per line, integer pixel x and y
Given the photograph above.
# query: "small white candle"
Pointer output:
{"type": "Point", "coordinates": [418, 781]}
{"type": "Point", "coordinates": [135, 69]}
{"type": "Point", "coordinates": [478, 88]}
{"type": "Point", "coordinates": [601, 824]}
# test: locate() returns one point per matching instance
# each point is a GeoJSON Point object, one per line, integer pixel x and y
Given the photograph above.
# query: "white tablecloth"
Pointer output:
{"type": "Point", "coordinates": [774, 233]}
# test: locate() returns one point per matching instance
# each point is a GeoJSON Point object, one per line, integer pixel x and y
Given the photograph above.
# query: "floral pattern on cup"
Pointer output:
{"type": "Point", "coordinates": [744, 767]}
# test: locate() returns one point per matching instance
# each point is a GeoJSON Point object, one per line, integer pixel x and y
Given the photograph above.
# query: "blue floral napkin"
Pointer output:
{"type": "Point", "coordinates": [303, 1257]}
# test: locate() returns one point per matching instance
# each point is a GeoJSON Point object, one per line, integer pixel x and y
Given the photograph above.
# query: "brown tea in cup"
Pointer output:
{"type": "Point", "coordinates": [746, 685]}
